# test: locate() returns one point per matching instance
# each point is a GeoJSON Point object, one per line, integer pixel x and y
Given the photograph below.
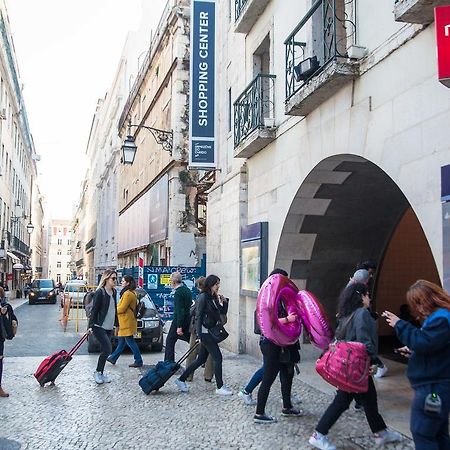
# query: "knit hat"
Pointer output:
{"type": "Point", "coordinates": [360, 276]}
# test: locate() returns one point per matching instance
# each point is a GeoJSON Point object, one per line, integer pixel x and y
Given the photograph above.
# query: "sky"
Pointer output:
{"type": "Point", "coordinates": [67, 53]}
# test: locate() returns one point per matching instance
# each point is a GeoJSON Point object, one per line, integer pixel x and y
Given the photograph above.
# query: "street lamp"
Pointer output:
{"type": "Point", "coordinates": [30, 227]}
{"type": "Point", "coordinates": [129, 147]}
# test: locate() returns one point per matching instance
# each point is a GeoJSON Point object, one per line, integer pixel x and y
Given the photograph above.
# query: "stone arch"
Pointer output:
{"type": "Point", "coordinates": [346, 210]}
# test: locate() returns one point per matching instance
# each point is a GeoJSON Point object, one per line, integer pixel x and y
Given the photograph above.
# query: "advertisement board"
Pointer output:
{"type": "Point", "coordinates": [202, 121]}
{"type": "Point", "coordinates": [442, 27]}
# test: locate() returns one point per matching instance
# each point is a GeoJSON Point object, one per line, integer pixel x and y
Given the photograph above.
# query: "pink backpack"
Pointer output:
{"type": "Point", "coordinates": [345, 365]}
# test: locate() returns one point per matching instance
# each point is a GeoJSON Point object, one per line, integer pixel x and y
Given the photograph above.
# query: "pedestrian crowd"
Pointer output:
{"type": "Point", "coordinates": [423, 328]}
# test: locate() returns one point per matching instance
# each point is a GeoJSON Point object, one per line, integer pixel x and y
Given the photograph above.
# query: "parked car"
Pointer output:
{"type": "Point", "coordinates": [149, 332]}
{"type": "Point", "coordinates": [42, 291]}
{"type": "Point", "coordinates": [75, 292]}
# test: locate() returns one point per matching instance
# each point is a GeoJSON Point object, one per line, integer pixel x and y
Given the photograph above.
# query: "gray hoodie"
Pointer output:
{"type": "Point", "coordinates": [361, 328]}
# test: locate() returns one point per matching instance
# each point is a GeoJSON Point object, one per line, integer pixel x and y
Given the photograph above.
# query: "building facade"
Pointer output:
{"type": "Point", "coordinates": [18, 173]}
{"type": "Point", "coordinates": [160, 215]}
{"type": "Point", "coordinates": [59, 250]}
{"type": "Point", "coordinates": [332, 131]}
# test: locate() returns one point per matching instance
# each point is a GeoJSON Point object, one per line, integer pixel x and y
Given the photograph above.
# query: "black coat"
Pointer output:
{"type": "Point", "coordinates": [6, 325]}
{"type": "Point", "coordinates": [208, 312]}
{"type": "Point", "coordinates": [100, 308]}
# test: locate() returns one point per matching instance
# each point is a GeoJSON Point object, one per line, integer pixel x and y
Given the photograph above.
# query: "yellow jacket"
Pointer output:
{"type": "Point", "coordinates": [125, 313]}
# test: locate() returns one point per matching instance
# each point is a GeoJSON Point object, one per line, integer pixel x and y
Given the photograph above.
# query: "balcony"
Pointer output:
{"type": "Point", "coordinates": [416, 11]}
{"type": "Point", "coordinates": [20, 247]}
{"type": "Point", "coordinates": [321, 55]}
{"type": "Point", "coordinates": [246, 13]}
{"type": "Point", "coordinates": [254, 119]}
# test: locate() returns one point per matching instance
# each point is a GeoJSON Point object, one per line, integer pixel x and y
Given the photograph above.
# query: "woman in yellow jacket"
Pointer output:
{"type": "Point", "coordinates": [126, 313]}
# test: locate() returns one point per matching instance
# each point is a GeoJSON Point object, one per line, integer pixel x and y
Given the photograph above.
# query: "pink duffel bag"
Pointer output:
{"type": "Point", "coordinates": [346, 366]}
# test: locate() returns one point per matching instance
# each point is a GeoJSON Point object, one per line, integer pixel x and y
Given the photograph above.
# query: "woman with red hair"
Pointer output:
{"type": "Point", "coordinates": [428, 349]}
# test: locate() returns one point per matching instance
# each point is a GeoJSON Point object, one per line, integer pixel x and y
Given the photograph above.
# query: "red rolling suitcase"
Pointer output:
{"type": "Point", "coordinates": [52, 366]}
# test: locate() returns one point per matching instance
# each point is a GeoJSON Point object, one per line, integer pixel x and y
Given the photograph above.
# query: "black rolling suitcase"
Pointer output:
{"type": "Point", "coordinates": [158, 376]}
{"type": "Point", "coordinates": [53, 365]}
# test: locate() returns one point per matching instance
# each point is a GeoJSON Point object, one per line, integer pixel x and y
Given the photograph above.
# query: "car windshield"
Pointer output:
{"type": "Point", "coordinates": [42, 284]}
{"type": "Point", "coordinates": [148, 302]}
{"type": "Point", "coordinates": [75, 288]}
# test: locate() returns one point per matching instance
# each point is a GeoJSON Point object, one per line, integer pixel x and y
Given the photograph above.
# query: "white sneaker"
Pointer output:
{"type": "Point", "coordinates": [248, 400]}
{"type": "Point", "coordinates": [321, 441]}
{"type": "Point", "coordinates": [381, 372]}
{"type": "Point", "coordinates": [182, 386]}
{"type": "Point", "coordinates": [98, 377]}
{"type": "Point", "coordinates": [386, 436]}
{"type": "Point", "coordinates": [224, 390]}
{"type": "Point", "coordinates": [106, 379]}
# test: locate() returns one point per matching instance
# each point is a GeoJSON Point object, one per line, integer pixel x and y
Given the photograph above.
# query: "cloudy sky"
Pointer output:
{"type": "Point", "coordinates": [67, 53]}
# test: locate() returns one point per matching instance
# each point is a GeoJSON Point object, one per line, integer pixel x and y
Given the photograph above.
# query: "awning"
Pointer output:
{"type": "Point", "coordinates": [13, 256]}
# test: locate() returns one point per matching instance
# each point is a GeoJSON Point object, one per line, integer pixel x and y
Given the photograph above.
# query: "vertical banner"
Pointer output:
{"type": "Point", "coordinates": [202, 123]}
{"type": "Point", "coordinates": [445, 197]}
{"type": "Point", "coordinates": [141, 270]}
{"type": "Point", "coordinates": [442, 26]}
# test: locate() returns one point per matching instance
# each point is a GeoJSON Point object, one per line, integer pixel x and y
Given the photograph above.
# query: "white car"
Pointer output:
{"type": "Point", "coordinates": [75, 292]}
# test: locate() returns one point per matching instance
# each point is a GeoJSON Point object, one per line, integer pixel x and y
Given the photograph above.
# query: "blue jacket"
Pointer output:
{"type": "Point", "coordinates": [430, 346]}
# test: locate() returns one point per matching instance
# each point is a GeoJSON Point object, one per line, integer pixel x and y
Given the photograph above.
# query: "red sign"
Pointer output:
{"type": "Point", "coordinates": [9, 276]}
{"type": "Point", "coordinates": [141, 270]}
{"type": "Point", "coordinates": [442, 23]}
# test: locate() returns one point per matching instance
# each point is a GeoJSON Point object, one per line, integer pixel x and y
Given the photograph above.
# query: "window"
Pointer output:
{"type": "Point", "coordinates": [58, 264]}
{"type": "Point", "coordinates": [69, 252]}
{"type": "Point", "coordinates": [69, 242]}
{"type": "Point", "coordinates": [68, 277]}
{"type": "Point", "coordinates": [229, 110]}
{"type": "Point", "coordinates": [59, 241]}
{"type": "Point", "coordinates": [58, 277]}
{"type": "Point", "coordinates": [59, 252]}
{"type": "Point", "coordinates": [68, 264]}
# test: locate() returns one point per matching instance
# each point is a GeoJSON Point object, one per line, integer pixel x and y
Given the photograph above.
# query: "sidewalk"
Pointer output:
{"type": "Point", "coordinates": [78, 414]}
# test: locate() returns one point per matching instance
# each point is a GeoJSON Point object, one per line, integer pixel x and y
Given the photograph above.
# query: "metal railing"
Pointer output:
{"type": "Point", "coordinates": [20, 246]}
{"type": "Point", "coordinates": [324, 34]}
{"type": "Point", "coordinates": [239, 5]}
{"type": "Point", "coordinates": [254, 108]}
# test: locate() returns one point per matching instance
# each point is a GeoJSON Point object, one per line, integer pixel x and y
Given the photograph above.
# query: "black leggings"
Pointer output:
{"type": "Point", "coordinates": [104, 338]}
{"type": "Point", "coordinates": [341, 403]}
{"type": "Point", "coordinates": [208, 346]}
{"type": "Point", "coordinates": [272, 366]}
{"type": "Point", "coordinates": [2, 346]}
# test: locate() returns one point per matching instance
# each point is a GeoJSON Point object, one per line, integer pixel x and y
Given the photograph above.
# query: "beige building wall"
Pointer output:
{"type": "Point", "coordinates": [393, 115]}
{"type": "Point", "coordinates": [59, 250]}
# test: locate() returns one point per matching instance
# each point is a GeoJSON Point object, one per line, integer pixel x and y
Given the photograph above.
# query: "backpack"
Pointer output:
{"type": "Point", "coordinates": [88, 303]}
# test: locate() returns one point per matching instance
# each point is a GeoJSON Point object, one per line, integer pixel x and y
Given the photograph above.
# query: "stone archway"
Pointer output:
{"type": "Point", "coordinates": [347, 210]}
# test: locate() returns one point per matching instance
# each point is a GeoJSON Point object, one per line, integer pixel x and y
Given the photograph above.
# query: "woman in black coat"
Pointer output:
{"type": "Point", "coordinates": [8, 321]}
{"type": "Point", "coordinates": [209, 312]}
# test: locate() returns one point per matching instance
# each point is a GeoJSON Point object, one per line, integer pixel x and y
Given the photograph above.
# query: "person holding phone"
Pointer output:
{"type": "Point", "coordinates": [8, 321]}
{"type": "Point", "coordinates": [428, 350]}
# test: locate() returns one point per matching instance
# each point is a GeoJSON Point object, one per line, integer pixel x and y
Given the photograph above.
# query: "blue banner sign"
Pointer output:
{"type": "Point", "coordinates": [157, 284]}
{"type": "Point", "coordinates": [202, 85]}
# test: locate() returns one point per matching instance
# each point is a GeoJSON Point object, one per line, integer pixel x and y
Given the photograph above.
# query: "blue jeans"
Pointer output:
{"type": "Point", "coordinates": [430, 430]}
{"type": "Point", "coordinates": [128, 340]}
{"type": "Point", "coordinates": [255, 380]}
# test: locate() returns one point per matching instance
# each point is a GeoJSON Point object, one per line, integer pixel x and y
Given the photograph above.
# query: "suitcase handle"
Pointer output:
{"type": "Point", "coordinates": [78, 344]}
{"type": "Point", "coordinates": [186, 355]}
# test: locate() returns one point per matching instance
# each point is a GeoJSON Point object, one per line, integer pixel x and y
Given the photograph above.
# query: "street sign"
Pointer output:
{"type": "Point", "coordinates": [202, 121]}
{"type": "Point", "coordinates": [442, 26]}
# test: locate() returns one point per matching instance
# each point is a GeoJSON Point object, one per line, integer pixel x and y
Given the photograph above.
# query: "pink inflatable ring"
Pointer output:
{"type": "Point", "coordinates": [315, 320]}
{"type": "Point", "coordinates": [275, 289]}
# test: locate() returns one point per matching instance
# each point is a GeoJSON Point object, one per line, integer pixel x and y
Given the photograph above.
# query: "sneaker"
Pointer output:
{"type": "Point", "coordinates": [247, 398]}
{"type": "Point", "coordinates": [386, 436]}
{"type": "Point", "coordinates": [381, 372]}
{"type": "Point", "coordinates": [321, 441]}
{"type": "Point", "coordinates": [98, 377]}
{"type": "Point", "coordinates": [111, 361]}
{"type": "Point", "coordinates": [291, 412]}
{"type": "Point", "coordinates": [182, 386]}
{"type": "Point", "coordinates": [106, 379]}
{"type": "Point", "coordinates": [224, 390]}
{"type": "Point", "coordinates": [264, 418]}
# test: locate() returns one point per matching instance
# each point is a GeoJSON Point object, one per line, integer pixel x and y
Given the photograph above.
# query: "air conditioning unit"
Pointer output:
{"type": "Point", "coordinates": [2, 113]}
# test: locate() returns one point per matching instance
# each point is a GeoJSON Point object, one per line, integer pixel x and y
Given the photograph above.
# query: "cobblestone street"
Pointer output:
{"type": "Point", "coordinates": [78, 414]}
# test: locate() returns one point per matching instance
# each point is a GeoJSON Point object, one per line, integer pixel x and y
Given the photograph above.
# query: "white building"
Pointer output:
{"type": "Point", "coordinates": [59, 250]}
{"type": "Point", "coordinates": [337, 138]}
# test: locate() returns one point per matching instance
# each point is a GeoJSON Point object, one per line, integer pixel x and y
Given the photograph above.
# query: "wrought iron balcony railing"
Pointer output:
{"type": "Point", "coordinates": [239, 5]}
{"type": "Point", "coordinates": [254, 108]}
{"type": "Point", "coordinates": [324, 34]}
{"type": "Point", "coordinates": [20, 246]}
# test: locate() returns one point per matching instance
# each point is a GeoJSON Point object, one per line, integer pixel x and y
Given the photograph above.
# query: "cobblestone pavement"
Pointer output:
{"type": "Point", "coordinates": [76, 414]}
